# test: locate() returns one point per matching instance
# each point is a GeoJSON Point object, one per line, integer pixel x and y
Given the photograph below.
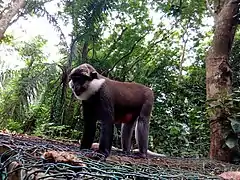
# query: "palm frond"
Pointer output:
{"type": "Point", "coordinates": [25, 89]}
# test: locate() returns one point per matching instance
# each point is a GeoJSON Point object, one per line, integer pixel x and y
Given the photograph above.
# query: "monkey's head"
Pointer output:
{"type": "Point", "coordinates": [84, 81]}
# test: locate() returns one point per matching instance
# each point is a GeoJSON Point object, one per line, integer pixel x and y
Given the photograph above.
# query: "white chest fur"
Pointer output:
{"type": "Point", "coordinates": [93, 87]}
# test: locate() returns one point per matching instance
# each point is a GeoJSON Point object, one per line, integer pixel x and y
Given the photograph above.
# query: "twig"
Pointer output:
{"type": "Point", "coordinates": [115, 42]}
{"type": "Point", "coordinates": [139, 58]}
{"type": "Point", "coordinates": [131, 50]}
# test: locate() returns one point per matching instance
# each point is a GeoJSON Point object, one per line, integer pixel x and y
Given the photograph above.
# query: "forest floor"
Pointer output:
{"type": "Point", "coordinates": [31, 157]}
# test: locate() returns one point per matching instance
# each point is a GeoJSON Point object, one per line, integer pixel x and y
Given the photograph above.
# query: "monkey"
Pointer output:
{"type": "Point", "coordinates": [112, 102]}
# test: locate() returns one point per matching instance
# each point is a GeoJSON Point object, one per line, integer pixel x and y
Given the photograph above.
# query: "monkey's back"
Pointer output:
{"type": "Point", "coordinates": [128, 93]}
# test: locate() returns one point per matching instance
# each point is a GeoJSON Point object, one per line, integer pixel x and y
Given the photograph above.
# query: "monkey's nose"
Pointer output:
{"type": "Point", "coordinates": [78, 93]}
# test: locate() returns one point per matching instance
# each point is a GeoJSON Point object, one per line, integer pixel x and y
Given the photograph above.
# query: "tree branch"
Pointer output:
{"type": "Point", "coordinates": [53, 20]}
{"type": "Point", "coordinates": [131, 50]}
{"type": "Point", "coordinates": [139, 58]}
{"type": "Point", "coordinates": [9, 14]}
{"type": "Point", "coordinates": [115, 42]}
{"type": "Point", "coordinates": [71, 49]}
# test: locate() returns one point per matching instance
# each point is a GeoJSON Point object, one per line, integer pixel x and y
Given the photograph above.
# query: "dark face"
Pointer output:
{"type": "Point", "coordinates": [78, 82]}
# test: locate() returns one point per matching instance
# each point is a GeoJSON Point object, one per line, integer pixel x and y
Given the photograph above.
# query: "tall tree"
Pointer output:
{"type": "Point", "coordinates": [8, 13]}
{"type": "Point", "coordinates": [218, 75]}
{"type": "Point", "coordinates": [12, 11]}
{"type": "Point", "coordinates": [87, 17]}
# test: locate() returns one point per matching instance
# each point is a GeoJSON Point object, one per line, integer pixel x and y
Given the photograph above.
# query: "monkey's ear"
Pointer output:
{"type": "Point", "coordinates": [94, 75]}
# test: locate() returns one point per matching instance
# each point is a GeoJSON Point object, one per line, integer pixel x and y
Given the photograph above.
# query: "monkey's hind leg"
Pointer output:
{"type": "Point", "coordinates": [142, 128]}
{"type": "Point", "coordinates": [126, 136]}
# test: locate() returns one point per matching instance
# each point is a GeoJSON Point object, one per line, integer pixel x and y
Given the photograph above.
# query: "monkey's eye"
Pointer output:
{"type": "Point", "coordinates": [74, 79]}
{"type": "Point", "coordinates": [80, 79]}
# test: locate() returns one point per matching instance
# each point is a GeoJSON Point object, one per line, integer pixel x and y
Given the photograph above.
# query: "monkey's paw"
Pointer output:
{"type": "Point", "coordinates": [139, 155]}
{"type": "Point", "coordinates": [96, 155]}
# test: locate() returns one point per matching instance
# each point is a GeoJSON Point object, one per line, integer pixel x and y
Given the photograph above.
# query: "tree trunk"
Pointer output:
{"type": "Point", "coordinates": [84, 52]}
{"type": "Point", "coordinates": [8, 13]}
{"type": "Point", "coordinates": [218, 76]}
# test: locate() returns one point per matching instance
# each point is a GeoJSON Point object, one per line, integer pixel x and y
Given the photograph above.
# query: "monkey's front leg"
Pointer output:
{"type": "Point", "coordinates": [88, 135]}
{"type": "Point", "coordinates": [106, 138]}
{"type": "Point", "coordinates": [106, 115]}
{"type": "Point", "coordinates": [89, 126]}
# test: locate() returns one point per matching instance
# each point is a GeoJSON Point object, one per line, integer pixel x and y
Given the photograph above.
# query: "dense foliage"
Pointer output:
{"type": "Point", "coordinates": [123, 41]}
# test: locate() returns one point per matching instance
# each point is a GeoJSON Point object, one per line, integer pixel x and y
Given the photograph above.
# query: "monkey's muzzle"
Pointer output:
{"type": "Point", "coordinates": [80, 90]}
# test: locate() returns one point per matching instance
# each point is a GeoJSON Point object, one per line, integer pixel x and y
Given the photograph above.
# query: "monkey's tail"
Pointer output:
{"type": "Point", "coordinates": [150, 153]}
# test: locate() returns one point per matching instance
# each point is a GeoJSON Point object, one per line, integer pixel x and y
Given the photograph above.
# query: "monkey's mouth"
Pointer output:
{"type": "Point", "coordinates": [80, 91]}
